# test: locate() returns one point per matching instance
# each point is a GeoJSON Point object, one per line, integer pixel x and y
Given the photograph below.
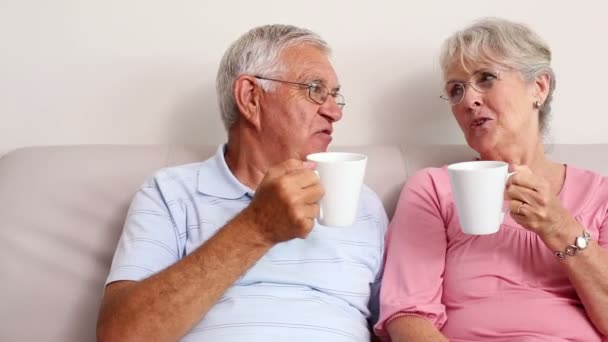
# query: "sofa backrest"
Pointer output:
{"type": "Point", "coordinates": [593, 157]}
{"type": "Point", "coordinates": [61, 214]}
{"type": "Point", "coordinates": [62, 210]}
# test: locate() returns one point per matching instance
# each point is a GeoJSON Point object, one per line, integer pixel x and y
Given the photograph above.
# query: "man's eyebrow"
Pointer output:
{"type": "Point", "coordinates": [320, 80]}
{"type": "Point", "coordinates": [314, 79]}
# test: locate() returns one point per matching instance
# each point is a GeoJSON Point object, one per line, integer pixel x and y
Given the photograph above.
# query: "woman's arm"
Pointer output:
{"type": "Point", "coordinates": [587, 270]}
{"type": "Point", "coordinates": [535, 207]}
{"type": "Point", "coordinates": [415, 255]}
{"type": "Point", "coordinates": [411, 328]}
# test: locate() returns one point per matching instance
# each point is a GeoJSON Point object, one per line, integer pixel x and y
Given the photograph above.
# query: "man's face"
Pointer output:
{"type": "Point", "coordinates": [292, 124]}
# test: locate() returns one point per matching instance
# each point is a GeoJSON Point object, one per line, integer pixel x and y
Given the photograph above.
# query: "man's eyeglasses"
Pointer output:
{"type": "Point", "coordinates": [317, 92]}
{"type": "Point", "coordinates": [482, 81]}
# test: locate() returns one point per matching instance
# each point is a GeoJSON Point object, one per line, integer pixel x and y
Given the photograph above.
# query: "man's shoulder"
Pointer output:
{"type": "Point", "coordinates": [369, 196]}
{"type": "Point", "coordinates": [372, 204]}
{"type": "Point", "coordinates": [177, 172]}
{"type": "Point", "coordinates": [182, 177]}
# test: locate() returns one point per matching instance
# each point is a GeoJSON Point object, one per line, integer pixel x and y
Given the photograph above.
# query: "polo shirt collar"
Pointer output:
{"type": "Point", "coordinates": [215, 178]}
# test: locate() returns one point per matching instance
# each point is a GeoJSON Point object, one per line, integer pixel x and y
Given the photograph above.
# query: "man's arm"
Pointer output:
{"type": "Point", "coordinates": [166, 305]}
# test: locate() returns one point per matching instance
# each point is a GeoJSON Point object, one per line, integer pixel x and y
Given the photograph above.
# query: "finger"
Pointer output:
{"type": "Point", "coordinates": [524, 179]}
{"type": "Point", "coordinates": [303, 178]}
{"type": "Point", "coordinates": [312, 210]}
{"type": "Point", "coordinates": [517, 207]}
{"type": "Point", "coordinates": [310, 165]}
{"type": "Point", "coordinates": [307, 214]}
{"type": "Point", "coordinates": [523, 194]}
{"type": "Point", "coordinates": [313, 194]}
{"type": "Point", "coordinates": [307, 225]}
{"type": "Point", "coordinates": [285, 167]}
{"type": "Point", "coordinates": [519, 168]}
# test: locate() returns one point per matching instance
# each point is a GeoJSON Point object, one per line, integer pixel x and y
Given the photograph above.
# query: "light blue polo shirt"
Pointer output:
{"type": "Point", "coordinates": [322, 288]}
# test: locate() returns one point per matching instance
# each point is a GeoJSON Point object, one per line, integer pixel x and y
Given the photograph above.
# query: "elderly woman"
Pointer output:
{"type": "Point", "coordinates": [544, 275]}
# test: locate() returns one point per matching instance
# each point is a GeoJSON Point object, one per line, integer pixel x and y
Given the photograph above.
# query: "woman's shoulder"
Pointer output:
{"type": "Point", "coordinates": [586, 187]}
{"type": "Point", "coordinates": [584, 179]}
{"type": "Point", "coordinates": [431, 182]}
{"type": "Point", "coordinates": [429, 176]}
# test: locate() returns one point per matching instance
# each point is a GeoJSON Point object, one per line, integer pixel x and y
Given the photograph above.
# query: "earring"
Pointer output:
{"type": "Point", "coordinates": [536, 104]}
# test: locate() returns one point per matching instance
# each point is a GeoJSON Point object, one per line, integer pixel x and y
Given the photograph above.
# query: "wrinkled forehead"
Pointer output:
{"type": "Point", "coordinates": [307, 62]}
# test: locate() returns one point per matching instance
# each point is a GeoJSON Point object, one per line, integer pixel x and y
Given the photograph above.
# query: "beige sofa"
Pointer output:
{"type": "Point", "coordinates": [62, 208]}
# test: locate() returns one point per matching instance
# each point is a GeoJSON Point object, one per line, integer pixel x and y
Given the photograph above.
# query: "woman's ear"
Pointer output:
{"type": "Point", "coordinates": [247, 96]}
{"type": "Point", "coordinates": [541, 85]}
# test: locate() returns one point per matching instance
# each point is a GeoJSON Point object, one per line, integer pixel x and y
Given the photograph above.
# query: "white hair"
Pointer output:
{"type": "Point", "coordinates": [505, 43]}
{"type": "Point", "coordinates": [258, 52]}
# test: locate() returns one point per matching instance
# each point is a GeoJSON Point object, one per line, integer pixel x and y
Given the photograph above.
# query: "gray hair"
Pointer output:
{"type": "Point", "coordinates": [506, 43]}
{"type": "Point", "coordinates": [257, 52]}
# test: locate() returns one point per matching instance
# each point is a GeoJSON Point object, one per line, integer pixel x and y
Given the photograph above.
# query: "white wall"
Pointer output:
{"type": "Point", "coordinates": [132, 72]}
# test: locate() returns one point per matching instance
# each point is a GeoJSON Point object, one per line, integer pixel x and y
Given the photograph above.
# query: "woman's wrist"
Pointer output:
{"type": "Point", "coordinates": [562, 235]}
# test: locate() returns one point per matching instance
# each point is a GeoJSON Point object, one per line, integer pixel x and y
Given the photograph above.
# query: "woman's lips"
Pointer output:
{"type": "Point", "coordinates": [479, 122]}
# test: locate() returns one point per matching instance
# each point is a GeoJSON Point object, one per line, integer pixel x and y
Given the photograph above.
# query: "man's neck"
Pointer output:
{"type": "Point", "coordinates": [246, 158]}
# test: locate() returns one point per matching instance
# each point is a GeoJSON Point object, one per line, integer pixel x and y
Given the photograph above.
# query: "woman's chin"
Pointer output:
{"type": "Point", "coordinates": [481, 144]}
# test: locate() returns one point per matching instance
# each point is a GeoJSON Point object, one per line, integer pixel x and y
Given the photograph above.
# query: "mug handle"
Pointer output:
{"type": "Point", "coordinates": [504, 213]}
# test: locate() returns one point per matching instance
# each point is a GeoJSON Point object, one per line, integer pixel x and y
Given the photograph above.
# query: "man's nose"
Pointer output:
{"type": "Point", "coordinates": [331, 110]}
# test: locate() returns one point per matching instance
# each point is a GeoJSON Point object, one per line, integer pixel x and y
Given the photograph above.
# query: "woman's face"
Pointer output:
{"type": "Point", "coordinates": [496, 109]}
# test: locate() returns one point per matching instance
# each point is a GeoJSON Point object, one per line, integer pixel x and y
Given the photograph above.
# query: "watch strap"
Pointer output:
{"type": "Point", "coordinates": [580, 243]}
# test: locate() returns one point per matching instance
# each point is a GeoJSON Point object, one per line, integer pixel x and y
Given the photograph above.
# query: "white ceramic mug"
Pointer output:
{"type": "Point", "coordinates": [478, 188]}
{"type": "Point", "coordinates": [341, 175]}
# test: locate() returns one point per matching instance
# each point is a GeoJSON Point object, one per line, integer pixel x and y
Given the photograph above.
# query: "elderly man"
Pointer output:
{"type": "Point", "coordinates": [228, 249]}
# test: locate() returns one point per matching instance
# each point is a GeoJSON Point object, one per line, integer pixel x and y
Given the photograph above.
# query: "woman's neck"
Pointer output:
{"type": "Point", "coordinates": [533, 157]}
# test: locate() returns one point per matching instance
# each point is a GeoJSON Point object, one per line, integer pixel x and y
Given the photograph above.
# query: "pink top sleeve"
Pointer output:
{"type": "Point", "coordinates": [416, 245]}
{"type": "Point", "coordinates": [603, 231]}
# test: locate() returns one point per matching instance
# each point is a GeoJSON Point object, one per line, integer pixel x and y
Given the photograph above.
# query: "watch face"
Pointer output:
{"type": "Point", "coordinates": [581, 242]}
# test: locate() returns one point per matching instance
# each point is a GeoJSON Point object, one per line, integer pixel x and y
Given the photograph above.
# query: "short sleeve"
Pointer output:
{"type": "Point", "coordinates": [149, 241]}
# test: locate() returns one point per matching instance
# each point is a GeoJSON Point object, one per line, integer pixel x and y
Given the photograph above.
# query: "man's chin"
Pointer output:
{"type": "Point", "coordinates": [316, 148]}
{"type": "Point", "coordinates": [321, 141]}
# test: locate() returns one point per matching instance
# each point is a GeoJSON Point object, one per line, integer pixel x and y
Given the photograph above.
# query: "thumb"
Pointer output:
{"type": "Point", "coordinates": [309, 165]}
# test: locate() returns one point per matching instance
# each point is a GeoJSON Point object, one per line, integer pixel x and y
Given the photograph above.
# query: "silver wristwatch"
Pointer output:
{"type": "Point", "coordinates": [580, 243]}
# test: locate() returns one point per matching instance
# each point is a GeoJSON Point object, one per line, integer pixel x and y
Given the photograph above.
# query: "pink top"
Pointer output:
{"type": "Point", "coordinates": [506, 286]}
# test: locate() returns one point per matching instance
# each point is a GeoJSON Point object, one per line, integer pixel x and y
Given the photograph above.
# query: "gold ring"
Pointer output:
{"type": "Point", "coordinates": [519, 208]}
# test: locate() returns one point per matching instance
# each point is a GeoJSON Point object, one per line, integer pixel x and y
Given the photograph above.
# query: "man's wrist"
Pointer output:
{"type": "Point", "coordinates": [250, 230]}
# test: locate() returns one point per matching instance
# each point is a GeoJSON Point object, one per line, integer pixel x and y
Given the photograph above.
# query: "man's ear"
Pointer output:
{"type": "Point", "coordinates": [247, 95]}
